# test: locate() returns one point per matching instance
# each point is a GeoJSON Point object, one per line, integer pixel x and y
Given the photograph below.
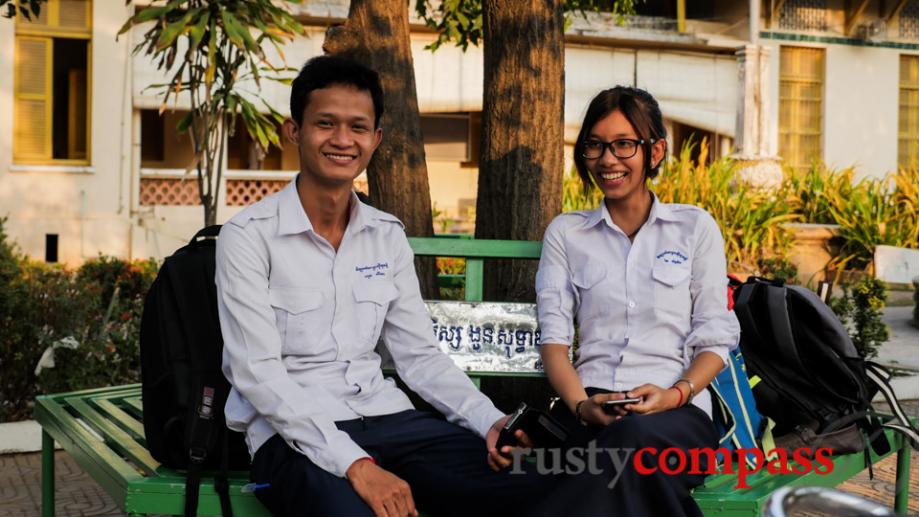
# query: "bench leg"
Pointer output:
{"type": "Point", "coordinates": [47, 474]}
{"type": "Point", "coordinates": [901, 497]}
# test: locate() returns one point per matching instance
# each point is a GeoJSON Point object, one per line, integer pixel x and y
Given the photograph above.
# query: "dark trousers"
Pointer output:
{"type": "Point", "coordinates": [633, 494]}
{"type": "Point", "coordinates": [444, 464]}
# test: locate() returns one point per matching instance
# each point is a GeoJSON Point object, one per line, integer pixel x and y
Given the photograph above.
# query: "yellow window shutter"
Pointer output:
{"type": "Point", "coordinates": [32, 103]}
{"type": "Point", "coordinates": [73, 14]}
{"type": "Point", "coordinates": [801, 105]}
{"type": "Point", "coordinates": [908, 124]}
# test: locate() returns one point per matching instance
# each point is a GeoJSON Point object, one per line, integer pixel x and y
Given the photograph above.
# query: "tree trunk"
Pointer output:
{"type": "Point", "coordinates": [376, 34]}
{"type": "Point", "coordinates": [521, 161]}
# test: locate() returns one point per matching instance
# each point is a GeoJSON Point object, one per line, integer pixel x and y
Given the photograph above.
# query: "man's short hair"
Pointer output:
{"type": "Point", "coordinates": [324, 71]}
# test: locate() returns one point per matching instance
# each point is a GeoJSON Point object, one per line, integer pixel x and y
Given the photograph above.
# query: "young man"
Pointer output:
{"type": "Point", "coordinates": [308, 280]}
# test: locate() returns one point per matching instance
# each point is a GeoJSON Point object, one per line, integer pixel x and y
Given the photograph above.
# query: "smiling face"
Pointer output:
{"type": "Point", "coordinates": [620, 178]}
{"type": "Point", "coordinates": [336, 137]}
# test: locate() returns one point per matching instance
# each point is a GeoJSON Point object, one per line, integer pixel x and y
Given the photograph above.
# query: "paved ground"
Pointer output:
{"type": "Point", "coordinates": [77, 494]}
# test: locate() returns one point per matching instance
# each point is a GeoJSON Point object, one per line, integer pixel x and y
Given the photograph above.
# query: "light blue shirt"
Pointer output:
{"type": "Point", "coordinates": [300, 323]}
{"type": "Point", "coordinates": [644, 309]}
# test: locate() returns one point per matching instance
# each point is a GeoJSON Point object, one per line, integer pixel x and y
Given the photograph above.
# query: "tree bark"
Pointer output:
{"type": "Point", "coordinates": [521, 161]}
{"type": "Point", "coordinates": [376, 34]}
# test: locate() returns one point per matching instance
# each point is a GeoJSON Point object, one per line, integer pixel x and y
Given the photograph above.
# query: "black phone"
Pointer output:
{"type": "Point", "coordinates": [542, 429]}
{"type": "Point", "coordinates": [610, 404]}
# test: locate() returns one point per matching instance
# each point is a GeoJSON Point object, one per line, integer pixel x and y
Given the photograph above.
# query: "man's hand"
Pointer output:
{"type": "Point", "coordinates": [499, 460]}
{"type": "Point", "coordinates": [385, 493]}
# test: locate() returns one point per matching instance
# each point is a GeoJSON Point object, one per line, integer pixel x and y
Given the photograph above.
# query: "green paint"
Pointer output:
{"type": "Point", "coordinates": [836, 40]}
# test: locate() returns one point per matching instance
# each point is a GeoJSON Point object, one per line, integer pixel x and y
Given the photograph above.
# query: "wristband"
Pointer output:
{"type": "Point", "coordinates": [577, 412]}
{"type": "Point", "coordinates": [677, 388]}
{"type": "Point", "coordinates": [692, 388]}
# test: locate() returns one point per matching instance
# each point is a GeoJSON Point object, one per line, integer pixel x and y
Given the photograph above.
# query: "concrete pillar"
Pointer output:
{"type": "Point", "coordinates": [757, 168]}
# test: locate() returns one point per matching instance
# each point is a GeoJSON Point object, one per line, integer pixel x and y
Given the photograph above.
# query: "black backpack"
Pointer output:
{"type": "Point", "coordinates": [183, 388]}
{"type": "Point", "coordinates": [813, 382]}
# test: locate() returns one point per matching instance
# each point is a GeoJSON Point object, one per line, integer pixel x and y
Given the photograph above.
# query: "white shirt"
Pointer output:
{"type": "Point", "coordinates": [644, 309]}
{"type": "Point", "coordinates": [300, 323]}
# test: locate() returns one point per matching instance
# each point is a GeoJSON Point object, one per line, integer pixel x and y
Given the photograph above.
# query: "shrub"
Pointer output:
{"type": "Point", "coordinates": [859, 308]}
{"type": "Point", "coordinates": [575, 196]}
{"type": "Point", "coordinates": [811, 194]}
{"type": "Point", "coordinates": [869, 212]}
{"type": "Point", "coordinates": [95, 309]}
{"type": "Point", "coordinates": [750, 220]}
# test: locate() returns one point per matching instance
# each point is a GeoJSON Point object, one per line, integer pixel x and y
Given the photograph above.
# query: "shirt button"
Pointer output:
{"type": "Point", "coordinates": [631, 304]}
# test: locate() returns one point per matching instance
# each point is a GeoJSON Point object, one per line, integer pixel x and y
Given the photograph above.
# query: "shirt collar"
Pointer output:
{"type": "Point", "coordinates": [292, 218]}
{"type": "Point", "coordinates": [659, 210]}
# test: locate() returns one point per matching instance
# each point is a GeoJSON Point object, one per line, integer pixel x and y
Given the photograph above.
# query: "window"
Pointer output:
{"type": "Point", "coordinates": [803, 15]}
{"type": "Point", "coordinates": [244, 153]}
{"type": "Point", "coordinates": [50, 247]}
{"type": "Point", "coordinates": [909, 20]}
{"type": "Point", "coordinates": [52, 85]}
{"type": "Point", "coordinates": [161, 144]}
{"type": "Point", "coordinates": [447, 136]}
{"type": "Point", "coordinates": [908, 144]}
{"type": "Point", "coordinates": [801, 105]}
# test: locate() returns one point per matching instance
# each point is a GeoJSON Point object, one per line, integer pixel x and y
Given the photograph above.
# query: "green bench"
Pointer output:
{"type": "Point", "coordinates": [102, 428]}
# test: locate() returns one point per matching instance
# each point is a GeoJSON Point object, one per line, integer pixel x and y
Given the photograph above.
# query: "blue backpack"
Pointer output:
{"type": "Point", "coordinates": [739, 424]}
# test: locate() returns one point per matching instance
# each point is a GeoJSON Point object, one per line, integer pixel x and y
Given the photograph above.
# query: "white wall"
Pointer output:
{"type": "Point", "coordinates": [861, 108]}
{"type": "Point", "coordinates": [88, 207]}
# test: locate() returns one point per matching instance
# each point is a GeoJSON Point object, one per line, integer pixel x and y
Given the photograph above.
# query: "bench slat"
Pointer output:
{"type": "Point", "coordinates": [118, 439]}
{"type": "Point", "coordinates": [135, 403]}
{"type": "Point", "coordinates": [120, 417]}
{"type": "Point", "coordinates": [475, 249]}
{"type": "Point", "coordinates": [106, 467]}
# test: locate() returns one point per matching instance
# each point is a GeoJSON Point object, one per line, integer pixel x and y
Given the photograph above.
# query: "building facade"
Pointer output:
{"type": "Point", "coordinates": [88, 165]}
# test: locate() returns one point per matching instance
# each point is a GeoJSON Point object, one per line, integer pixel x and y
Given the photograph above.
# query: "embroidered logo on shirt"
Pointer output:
{"type": "Point", "coordinates": [377, 269]}
{"type": "Point", "coordinates": [672, 257]}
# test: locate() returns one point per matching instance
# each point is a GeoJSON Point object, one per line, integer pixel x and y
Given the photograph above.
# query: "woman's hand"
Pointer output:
{"type": "Point", "coordinates": [655, 399]}
{"type": "Point", "coordinates": [592, 410]}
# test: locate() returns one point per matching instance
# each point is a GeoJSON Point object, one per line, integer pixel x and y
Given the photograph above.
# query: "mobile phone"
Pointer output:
{"type": "Point", "coordinates": [506, 436]}
{"type": "Point", "coordinates": [542, 429]}
{"type": "Point", "coordinates": [610, 404]}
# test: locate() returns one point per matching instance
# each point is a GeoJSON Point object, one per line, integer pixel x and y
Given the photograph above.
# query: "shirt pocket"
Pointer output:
{"type": "Point", "coordinates": [372, 301]}
{"type": "Point", "coordinates": [590, 296]}
{"type": "Point", "coordinates": [671, 288]}
{"type": "Point", "coordinates": [297, 316]}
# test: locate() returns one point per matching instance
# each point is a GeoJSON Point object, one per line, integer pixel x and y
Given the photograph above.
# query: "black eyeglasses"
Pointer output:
{"type": "Point", "coordinates": [621, 148]}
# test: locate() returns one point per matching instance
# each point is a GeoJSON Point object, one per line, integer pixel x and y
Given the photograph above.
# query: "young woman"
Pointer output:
{"type": "Point", "coordinates": [645, 282]}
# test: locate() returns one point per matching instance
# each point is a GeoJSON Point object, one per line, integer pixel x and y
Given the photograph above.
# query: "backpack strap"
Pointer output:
{"type": "Point", "coordinates": [192, 485]}
{"type": "Point", "coordinates": [880, 376]}
{"type": "Point", "coordinates": [221, 483]}
{"type": "Point", "coordinates": [781, 326]}
{"type": "Point", "coordinates": [207, 232]}
{"type": "Point", "coordinates": [198, 446]}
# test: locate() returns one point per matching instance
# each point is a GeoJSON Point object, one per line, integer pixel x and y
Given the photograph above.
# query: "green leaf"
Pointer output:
{"type": "Point", "coordinates": [197, 31]}
{"type": "Point", "coordinates": [174, 29]}
{"type": "Point", "coordinates": [211, 54]}
{"type": "Point", "coordinates": [150, 13]}
{"type": "Point", "coordinates": [185, 122]}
